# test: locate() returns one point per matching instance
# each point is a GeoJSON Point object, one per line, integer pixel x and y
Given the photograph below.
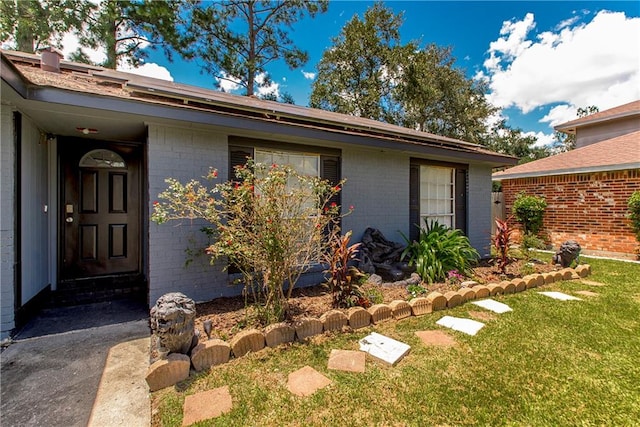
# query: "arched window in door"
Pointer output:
{"type": "Point", "coordinates": [102, 158]}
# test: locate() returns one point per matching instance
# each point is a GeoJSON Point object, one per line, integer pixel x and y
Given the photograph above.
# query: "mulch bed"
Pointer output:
{"type": "Point", "coordinates": [230, 315]}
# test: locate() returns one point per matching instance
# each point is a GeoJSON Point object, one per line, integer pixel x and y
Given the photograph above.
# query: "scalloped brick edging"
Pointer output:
{"type": "Point", "coordinates": [175, 367]}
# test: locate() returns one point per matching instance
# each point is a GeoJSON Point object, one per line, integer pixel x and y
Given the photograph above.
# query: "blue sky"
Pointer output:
{"type": "Point", "coordinates": [543, 59]}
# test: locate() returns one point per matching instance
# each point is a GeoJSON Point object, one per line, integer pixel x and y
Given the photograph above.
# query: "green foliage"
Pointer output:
{"type": "Point", "coordinates": [438, 251]}
{"type": "Point", "coordinates": [507, 140]}
{"type": "Point", "coordinates": [415, 291]}
{"type": "Point", "coordinates": [634, 212]}
{"type": "Point", "coordinates": [529, 210]}
{"type": "Point", "coordinates": [368, 72]}
{"type": "Point", "coordinates": [271, 223]}
{"type": "Point", "coordinates": [234, 41]}
{"type": "Point", "coordinates": [344, 283]}
{"type": "Point", "coordinates": [32, 24]}
{"type": "Point", "coordinates": [502, 244]}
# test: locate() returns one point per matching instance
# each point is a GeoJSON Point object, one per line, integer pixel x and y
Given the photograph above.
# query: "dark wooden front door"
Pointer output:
{"type": "Point", "coordinates": [100, 209]}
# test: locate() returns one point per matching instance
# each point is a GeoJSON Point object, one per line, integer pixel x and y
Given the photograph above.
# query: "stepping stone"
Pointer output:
{"type": "Point", "coordinates": [210, 353]}
{"type": "Point", "coordinates": [384, 349]}
{"type": "Point", "coordinates": [347, 360]}
{"type": "Point", "coordinates": [306, 381]}
{"type": "Point", "coordinates": [468, 326]}
{"type": "Point", "coordinates": [482, 315]}
{"type": "Point", "coordinates": [358, 317]}
{"type": "Point", "coordinates": [493, 305]}
{"type": "Point", "coordinates": [560, 296]}
{"type": "Point", "coordinates": [592, 283]}
{"type": "Point", "coordinates": [587, 293]}
{"type": "Point", "coordinates": [206, 405]}
{"type": "Point", "coordinates": [436, 338]}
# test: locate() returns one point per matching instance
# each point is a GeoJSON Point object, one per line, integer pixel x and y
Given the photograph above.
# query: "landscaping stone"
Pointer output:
{"type": "Point", "coordinates": [169, 371]}
{"type": "Point", "coordinates": [495, 289]}
{"type": "Point", "coordinates": [453, 299]}
{"type": "Point", "coordinates": [420, 306]}
{"type": "Point", "coordinates": [539, 279]}
{"type": "Point", "coordinates": [333, 320]}
{"type": "Point", "coordinates": [246, 341]}
{"type": "Point", "coordinates": [560, 296]}
{"type": "Point", "coordinates": [582, 270]}
{"type": "Point", "coordinates": [574, 275]}
{"type": "Point", "coordinates": [549, 278]}
{"type": "Point", "coordinates": [308, 327]}
{"type": "Point", "coordinates": [530, 281]}
{"type": "Point", "coordinates": [400, 309]}
{"type": "Point", "coordinates": [467, 294]}
{"type": "Point", "coordinates": [484, 316]}
{"type": "Point", "coordinates": [436, 338]}
{"type": "Point", "coordinates": [566, 273]}
{"type": "Point", "coordinates": [481, 291]}
{"type": "Point", "coordinates": [587, 293]}
{"type": "Point", "coordinates": [384, 349]}
{"type": "Point", "coordinates": [306, 381]}
{"type": "Point", "coordinates": [374, 279]}
{"type": "Point", "coordinates": [358, 317]}
{"type": "Point", "coordinates": [520, 284]}
{"type": "Point", "coordinates": [559, 277]}
{"type": "Point", "coordinates": [467, 326]}
{"type": "Point", "coordinates": [347, 360]}
{"type": "Point", "coordinates": [210, 353]}
{"type": "Point", "coordinates": [509, 287]}
{"type": "Point", "coordinates": [380, 313]}
{"type": "Point", "coordinates": [279, 333]}
{"type": "Point", "coordinates": [468, 284]}
{"type": "Point", "coordinates": [206, 405]}
{"type": "Point", "coordinates": [437, 300]}
{"type": "Point", "coordinates": [493, 305]}
{"type": "Point", "coordinates": [592, 283]}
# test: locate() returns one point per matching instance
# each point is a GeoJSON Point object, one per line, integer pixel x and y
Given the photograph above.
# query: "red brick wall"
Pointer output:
{"type": "Point", "coordinates": [590, 208]}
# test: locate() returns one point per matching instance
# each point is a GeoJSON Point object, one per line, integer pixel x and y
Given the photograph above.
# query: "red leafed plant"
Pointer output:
{"type": "Point", "coordinates": [344, 280]}
{"type": "Point", "coordinates": [502, 244]}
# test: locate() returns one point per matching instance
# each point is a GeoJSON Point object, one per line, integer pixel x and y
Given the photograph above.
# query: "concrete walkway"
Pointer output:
{"type": "Point", "coordinates": [78, 366]}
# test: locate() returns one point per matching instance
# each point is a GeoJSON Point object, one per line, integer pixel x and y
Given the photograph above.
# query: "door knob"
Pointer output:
{"type": "Point", "coordinates": [69, 219]}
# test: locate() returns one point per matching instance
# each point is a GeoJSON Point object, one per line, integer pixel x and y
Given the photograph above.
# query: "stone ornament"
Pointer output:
{"type": "Point", "coordinates": [173, 323]}
{"type": "Point", "coordinates": [569, 251]}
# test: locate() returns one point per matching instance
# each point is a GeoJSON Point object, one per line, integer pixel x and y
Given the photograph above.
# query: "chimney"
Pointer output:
{"type": "Point", "coordinates": [50, 59]}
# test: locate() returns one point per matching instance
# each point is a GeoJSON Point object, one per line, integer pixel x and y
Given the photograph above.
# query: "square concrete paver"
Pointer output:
{"type": "Point", "coordinates": [436, 338]}
{"type": "Point", "coordinates": [587, 293]}
{"type": "Point", "coordinates": [306, 381]}
{"type": "Point", "coordinates": [206, 405]}
{"type": "Point", "coordinates": [592, 283]}
{"type": "Point", "coordinates": [347, 360]}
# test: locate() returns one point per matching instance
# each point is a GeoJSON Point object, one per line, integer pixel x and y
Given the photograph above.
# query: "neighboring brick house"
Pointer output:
{"type": "Point", "coordinates": [587, 189]}
{"type": "Point", "coordinates": [85, 152]}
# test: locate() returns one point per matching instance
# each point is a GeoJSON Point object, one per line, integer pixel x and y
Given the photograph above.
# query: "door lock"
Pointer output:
{"type": "Point", "coordinates": [69, 219]}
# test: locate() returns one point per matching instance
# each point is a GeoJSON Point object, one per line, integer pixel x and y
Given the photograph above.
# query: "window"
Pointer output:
{"type": "Point", "coordinates": [102, 159]}
{"type": "Point", "coordinates": [437, 190]}
{"type": "Point", "coordinates": [304, 164]}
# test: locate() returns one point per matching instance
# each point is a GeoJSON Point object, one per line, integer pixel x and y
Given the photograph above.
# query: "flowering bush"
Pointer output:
{"type": "Point", "coordinates": [270, 222]}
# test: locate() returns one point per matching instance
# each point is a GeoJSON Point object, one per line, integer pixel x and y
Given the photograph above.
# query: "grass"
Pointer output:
{"type": "Point", "coordinates": [546, 363]}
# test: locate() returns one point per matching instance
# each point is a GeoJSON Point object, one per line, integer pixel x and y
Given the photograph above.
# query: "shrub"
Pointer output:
{"type": "Point", "coordinates": [438, 251]}
{"type": "Point", "coordinates": [502, 244]}
{"type": "Point", "coordinates": [530, 241]}
{"type": "Point", "coordinates": [634, 213]}
{"type": "Point", "coordinates": [344, 280]}
{"type": "Point", "coordinates": [271, 223]}
{"type": "Point", "coordinates": [528, 210]}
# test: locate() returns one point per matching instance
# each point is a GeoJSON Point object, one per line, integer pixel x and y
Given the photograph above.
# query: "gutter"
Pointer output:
{"type": "Point", "coordinates": [571, 171]}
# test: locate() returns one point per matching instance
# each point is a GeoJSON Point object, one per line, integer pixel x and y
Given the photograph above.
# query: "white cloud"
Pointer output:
{"type": "Point", "coordinates": [542, 139]}
{"type": "Point", "coordinates": [228, 83]}
{"type": "Point", "coordinates": [308, 75]}
{"type": "Point", "coordinates": [271, 88]}
{"type": "Point", "coordinates": [149, 70]}
{"type": "Point", "coordinates": [576, 65]}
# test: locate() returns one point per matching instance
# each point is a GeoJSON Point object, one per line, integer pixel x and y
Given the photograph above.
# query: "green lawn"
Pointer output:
{"type": "Point", "coordinates": [547, 363]}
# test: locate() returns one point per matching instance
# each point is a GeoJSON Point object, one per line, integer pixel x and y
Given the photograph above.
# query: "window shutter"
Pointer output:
{"type": "Point", "coordinates": [460, 200]}
{"type": "Point", "coordinates": [330, 170]}
{"type": "Point", "coordinates": [414, 201]}
{"type": "Point", "coordinates": [238, 156]}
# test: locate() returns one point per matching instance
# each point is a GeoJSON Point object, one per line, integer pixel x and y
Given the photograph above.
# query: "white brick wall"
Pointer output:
{"type": "Point", "coordinates": [182, 154]}
{"type": "Point", "coordinates": [378, 188]}
{"type": "Point", "coordinates": [7, 248]}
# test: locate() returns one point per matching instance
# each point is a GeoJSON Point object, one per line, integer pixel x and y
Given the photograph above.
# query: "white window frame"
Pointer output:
{"type": "Point", "coordinates": [437, 195]}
